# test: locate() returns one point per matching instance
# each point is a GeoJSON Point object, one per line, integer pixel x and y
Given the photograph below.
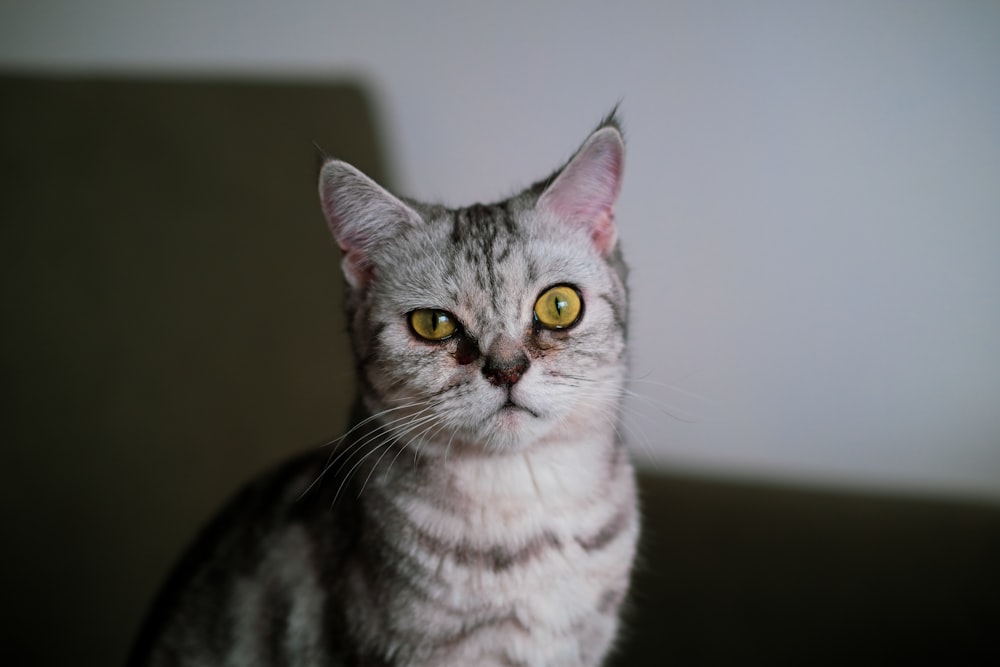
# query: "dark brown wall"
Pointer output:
{"type": "Point", "coordinates": [171, 324]}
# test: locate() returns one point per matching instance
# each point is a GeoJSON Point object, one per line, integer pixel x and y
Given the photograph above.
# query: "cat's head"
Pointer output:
{"type": "Point", "coordinates": [489, 327]}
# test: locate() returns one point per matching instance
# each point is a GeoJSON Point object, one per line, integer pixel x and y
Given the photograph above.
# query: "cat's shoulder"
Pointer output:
{"type": "Point", "coordinates": [259, 518]}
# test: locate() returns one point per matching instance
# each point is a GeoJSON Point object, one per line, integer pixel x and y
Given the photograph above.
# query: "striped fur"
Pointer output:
{"type": "Point", "coordinates": [471, 516]}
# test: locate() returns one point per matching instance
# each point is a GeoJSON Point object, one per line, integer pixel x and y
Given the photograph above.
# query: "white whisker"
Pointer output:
{"type": "Point", "coordinates": [336, 454]}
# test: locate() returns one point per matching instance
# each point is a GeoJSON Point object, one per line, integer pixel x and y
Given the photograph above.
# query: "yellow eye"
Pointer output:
{"type": "Point", "coordinates": [432, 324]}
{"type": "Point", "coordinates": [558, 307]}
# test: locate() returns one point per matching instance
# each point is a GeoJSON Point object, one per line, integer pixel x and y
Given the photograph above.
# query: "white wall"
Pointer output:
{"type": "Point", "coordinates": [812, 205]}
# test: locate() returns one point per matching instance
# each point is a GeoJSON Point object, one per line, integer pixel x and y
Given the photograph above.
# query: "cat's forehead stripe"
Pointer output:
{"type": "Point", "coordinates": [485, 236]}
{"type": "Point", "coordinates": [483, 219]}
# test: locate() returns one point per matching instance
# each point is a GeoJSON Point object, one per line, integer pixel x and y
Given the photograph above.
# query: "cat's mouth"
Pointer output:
{"type": "Point", "coordinates": [510, 406]}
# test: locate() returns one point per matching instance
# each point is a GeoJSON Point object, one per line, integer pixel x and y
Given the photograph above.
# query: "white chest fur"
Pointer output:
{"type": "Point", "coordinates": [521, 559]}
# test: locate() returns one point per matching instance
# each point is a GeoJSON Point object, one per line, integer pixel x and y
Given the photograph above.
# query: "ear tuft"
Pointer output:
{"type": "Point", "coordinates": [586, 189]}
{"type": "Point", "coordinates": [360, 214]}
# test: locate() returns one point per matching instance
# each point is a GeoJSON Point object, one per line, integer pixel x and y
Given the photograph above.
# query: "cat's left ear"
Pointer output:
{"type": "Point", "coordinates": [361, 214]}
{"type": "Point", "coordinates": [585, 191]}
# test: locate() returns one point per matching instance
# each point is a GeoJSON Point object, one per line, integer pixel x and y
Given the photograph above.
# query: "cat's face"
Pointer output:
{"type": "Point", "coordinates": [489, 327]}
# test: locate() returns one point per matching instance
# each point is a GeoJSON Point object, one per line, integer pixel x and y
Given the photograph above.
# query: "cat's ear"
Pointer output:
{"type": "Point", "coordinates": [360, 213]}
{"type": "Point", "coordinates": [586, 189]}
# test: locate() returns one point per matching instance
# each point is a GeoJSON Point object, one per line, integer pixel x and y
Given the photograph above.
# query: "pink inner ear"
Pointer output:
{"type": "Point", "coordinates": [360, 214]}
{"type": "Point", "coordinates": [357, 270]}
{"type": "Point", "coordinates": [604, 233]}
{"type": "Point", "coordinates": [356, 267]}
{"type": "Point", "coordinates": [586, 190]}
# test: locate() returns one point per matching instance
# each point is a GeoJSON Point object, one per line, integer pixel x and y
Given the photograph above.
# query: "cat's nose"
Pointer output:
{"type": "Point", "coordinates": [508, 374]}
{"type": "Point", "coordinates": [505, 363]}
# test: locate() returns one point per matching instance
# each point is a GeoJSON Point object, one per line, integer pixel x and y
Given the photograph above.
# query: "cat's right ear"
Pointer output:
{"type": "Point", "coordinates": [360, 213]}
{"type": "Point", "coordinates": [586, 189]}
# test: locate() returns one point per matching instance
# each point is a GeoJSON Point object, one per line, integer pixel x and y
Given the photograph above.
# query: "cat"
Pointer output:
{"type": "Point", "coordinates": [482, 509]}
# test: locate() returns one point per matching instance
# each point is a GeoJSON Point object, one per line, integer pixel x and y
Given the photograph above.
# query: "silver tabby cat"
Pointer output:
{"type": "Point", "coordinates": [482, 509]}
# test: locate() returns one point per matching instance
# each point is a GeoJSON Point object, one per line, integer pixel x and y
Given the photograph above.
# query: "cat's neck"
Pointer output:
{"type": "Point", "coordinates": [563, 472]}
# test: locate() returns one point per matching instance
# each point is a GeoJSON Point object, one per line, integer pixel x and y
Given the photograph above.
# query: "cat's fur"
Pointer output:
{"type": "Point", "coordinates": [482, 510]}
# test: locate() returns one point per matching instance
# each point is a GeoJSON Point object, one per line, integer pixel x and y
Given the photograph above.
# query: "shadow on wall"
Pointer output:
{"type": "Point", "coordinates": [172, 325]}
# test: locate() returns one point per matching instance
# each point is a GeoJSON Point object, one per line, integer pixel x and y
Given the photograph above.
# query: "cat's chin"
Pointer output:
{"type": "Point", "coordinates": [512, 427]}
{"type": "Point", "coordinates": [513, 421]}
{"type": "Point", "coordinates": [507, 429]}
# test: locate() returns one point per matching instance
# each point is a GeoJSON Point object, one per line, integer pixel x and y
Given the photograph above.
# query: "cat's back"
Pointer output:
{"type": "Point", "coordinates": [258, 579]}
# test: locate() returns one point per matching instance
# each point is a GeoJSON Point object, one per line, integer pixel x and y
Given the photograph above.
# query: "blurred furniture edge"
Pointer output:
{"type": "Point", "coordinates": [749, 573]}
{"type": "Point", "coordinates": [172, 325]}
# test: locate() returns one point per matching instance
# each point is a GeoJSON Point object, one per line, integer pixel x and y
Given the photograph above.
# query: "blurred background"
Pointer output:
{"type": "Point", "coordinates": [811, 211]}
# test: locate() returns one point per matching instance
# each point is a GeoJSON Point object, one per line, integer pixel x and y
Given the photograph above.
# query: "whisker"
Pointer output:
{"type": "Point", "coordinates": [337, 453]}
{"type": "Point", "coordinates": [436, 424]}
{"type": "Point", "coordinates": [670, 387]}
{"type": "Point", "coordinates": [387, 445]}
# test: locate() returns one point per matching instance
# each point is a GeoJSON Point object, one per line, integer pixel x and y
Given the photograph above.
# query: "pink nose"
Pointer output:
{"type": "Point", "coordinates": [505, 375]}
{"type": "Point", "coordinates": [505, 363]}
